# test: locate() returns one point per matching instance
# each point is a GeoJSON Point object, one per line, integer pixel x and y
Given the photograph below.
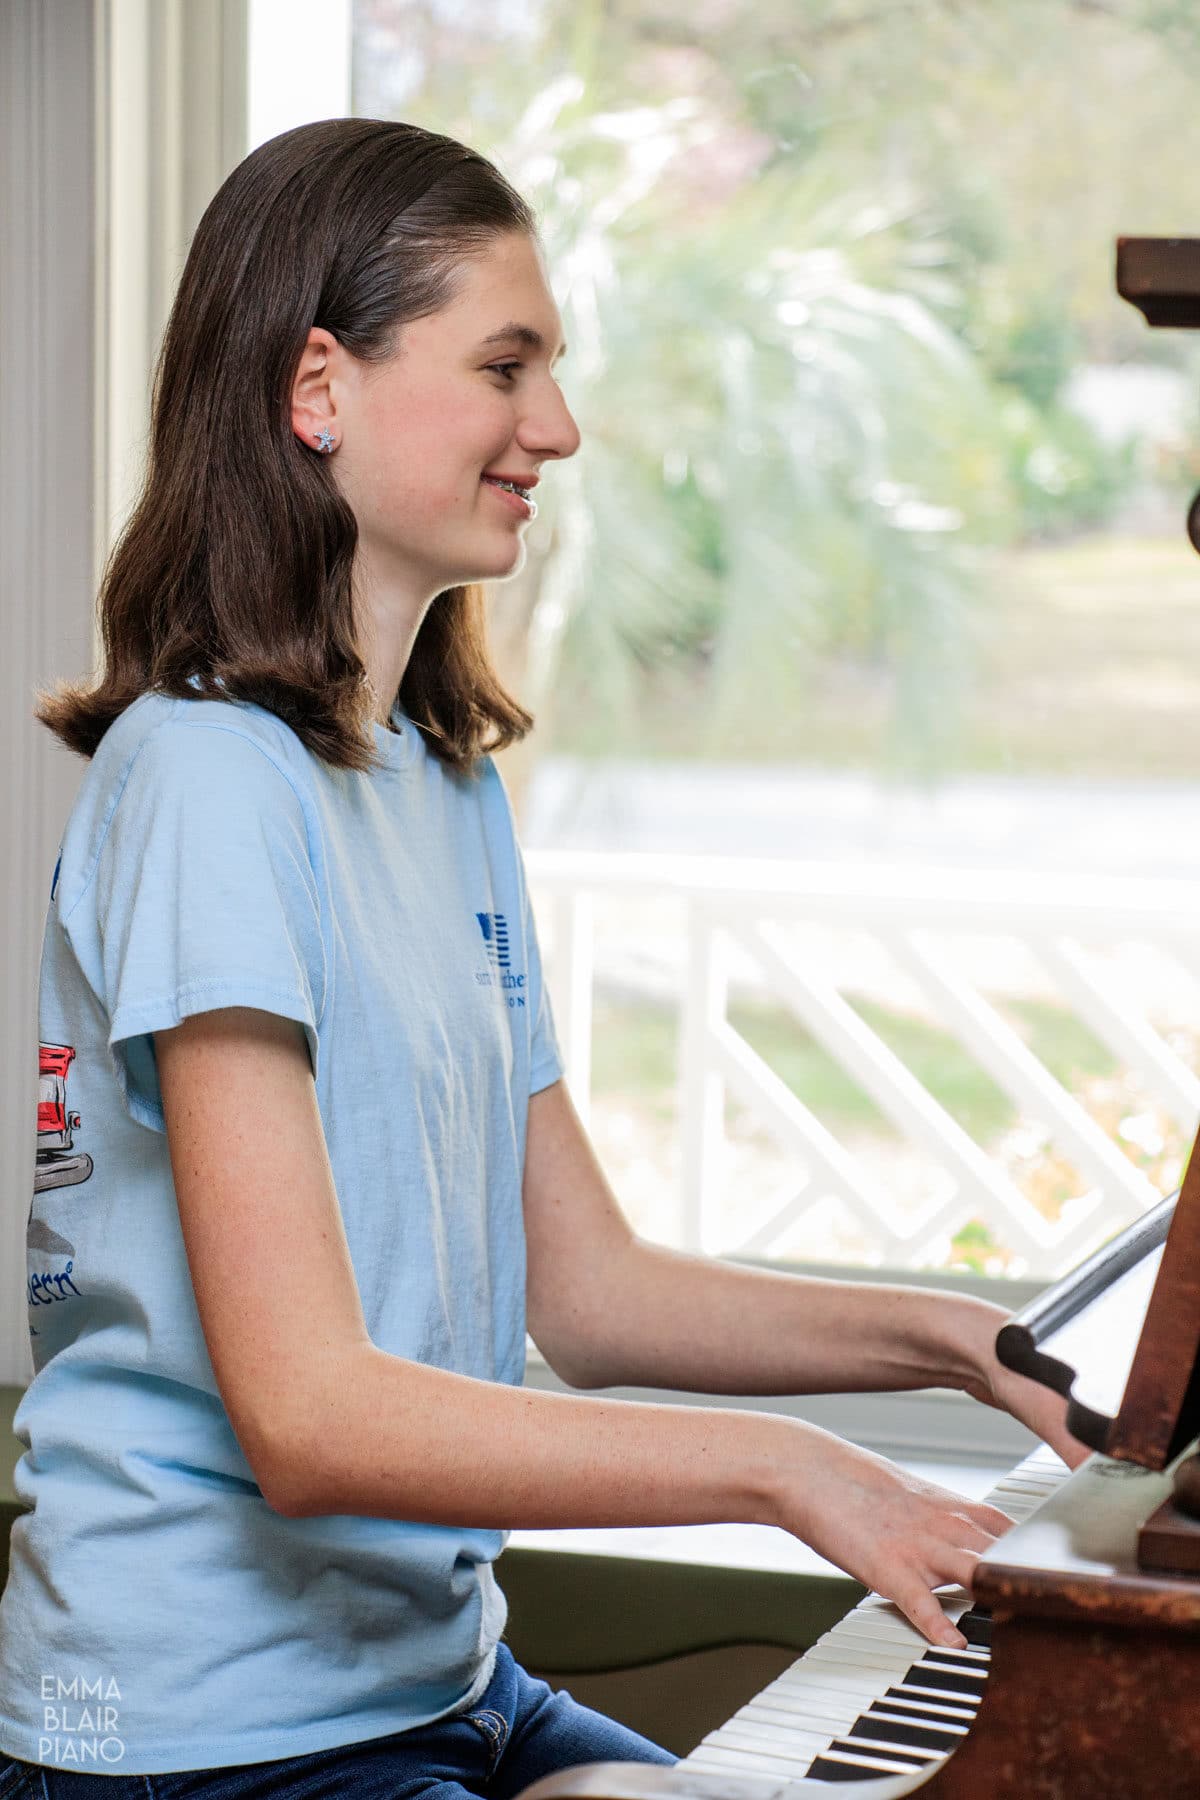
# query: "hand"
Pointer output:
{"type": "Point", "coordinates": [1036, 1406]}
{"type": "Point", "coordinates": [899, 1535]}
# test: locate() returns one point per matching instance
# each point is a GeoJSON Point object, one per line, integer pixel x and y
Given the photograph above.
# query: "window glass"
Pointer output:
{"type": "Point", "coordinates": [870, 581]}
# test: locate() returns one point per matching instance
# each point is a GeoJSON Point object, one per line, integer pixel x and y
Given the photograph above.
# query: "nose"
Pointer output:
{"type": "Point", "coordinates": [548, 428]}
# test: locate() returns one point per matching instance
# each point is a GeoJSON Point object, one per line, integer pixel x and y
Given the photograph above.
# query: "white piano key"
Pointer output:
{"type": "Point", "coordinates": [890, 1717]}
{"type": "Point", "coordinates": [954, 1600]}
{"type": "Point", "coordinates": [862, 1687]}
{"type": "Point", "coordinates": [847, 1654]}
{"type": "Point", "coordinates": [836, 1673]}
{"type": "Point", "coordinates": [801, 1747]}
{"type": "Point", "coordinates": [770, 1727]}
{"type": "Point", "coordinates": [724, 1763]}
{"type": "Point", "coordinates": [863, 1654]}
{"type": "Point", "coordinates": [836, 1668]}
{"type": "Point", "coordinates": [896, 1649]}
{"type": "Point", "coordinates": [881, 1746]}
{"type": "Point", "coordinates": [892, 1632]}
{"type": "Point", "coordinates": [750, 1762]}
{"type": "Point", "coordinates": [898, 1693]}
{"type": "Point", "coordinates": [837, 1665]}
{"type": "Point", "coordinates": [831, 1710]}
{"type": "Point", "coordinates": [952, 1666]}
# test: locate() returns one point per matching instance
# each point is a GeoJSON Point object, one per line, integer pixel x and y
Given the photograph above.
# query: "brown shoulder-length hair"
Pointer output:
{"type": "Point", "coordinates": [235, 563]}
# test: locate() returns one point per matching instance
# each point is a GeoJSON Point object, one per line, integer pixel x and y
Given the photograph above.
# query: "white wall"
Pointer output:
{"type": "Point", "coordinates": [299, 64]}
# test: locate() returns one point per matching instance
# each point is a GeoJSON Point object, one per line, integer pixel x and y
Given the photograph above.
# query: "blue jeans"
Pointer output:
{"type": "Point", "coordinates": [519, 1730]}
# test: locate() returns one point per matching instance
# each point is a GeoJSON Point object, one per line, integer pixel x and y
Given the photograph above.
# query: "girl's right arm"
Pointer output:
{"type": "Point", "coordinates": [329, 1423]}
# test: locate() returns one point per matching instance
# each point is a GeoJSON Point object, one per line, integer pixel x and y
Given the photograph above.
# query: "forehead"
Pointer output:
{"type": "Point", "coordinates": [504, 298]}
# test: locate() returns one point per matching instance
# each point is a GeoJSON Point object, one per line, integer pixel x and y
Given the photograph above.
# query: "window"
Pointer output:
{"type": "Point", "coordinates": [865, 702]}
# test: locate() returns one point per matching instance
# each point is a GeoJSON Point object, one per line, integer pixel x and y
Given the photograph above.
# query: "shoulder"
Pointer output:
{"type": "Point", "coordinates": [166, 759]}
{"type": "Point", "coordinates": [162, 731]}
{"type": "Point", "coordinates": [492, 787]}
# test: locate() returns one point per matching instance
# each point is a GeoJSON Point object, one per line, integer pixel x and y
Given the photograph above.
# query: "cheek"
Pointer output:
{"type": "Point", "coordinates": [431, 447]}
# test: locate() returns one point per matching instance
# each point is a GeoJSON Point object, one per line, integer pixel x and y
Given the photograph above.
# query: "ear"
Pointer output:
{"type": "Point", "coordinates": [314, 406]}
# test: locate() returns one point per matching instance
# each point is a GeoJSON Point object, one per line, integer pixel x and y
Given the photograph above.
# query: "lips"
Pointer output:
{"type": "Point", "coordinates": [527, 482]}
{"type": "Point", "coordinates": [526, 508]}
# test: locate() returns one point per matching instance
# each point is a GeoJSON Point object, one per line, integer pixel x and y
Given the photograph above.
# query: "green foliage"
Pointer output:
{"type": "Point", "coordinates": [636, 1045]}
{"type": "Point", "coordinates": [824, 272]}
{"type": "Point", "coordinates": [1037, 352]}
{"type": "Point", "coordinates": [1065, 477]}
{"type": "Point", "coordinates": [974, 1246]}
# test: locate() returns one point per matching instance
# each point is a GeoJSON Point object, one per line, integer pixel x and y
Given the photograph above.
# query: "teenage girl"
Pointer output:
{"type": "Point", "coordinates": [307, 1168]}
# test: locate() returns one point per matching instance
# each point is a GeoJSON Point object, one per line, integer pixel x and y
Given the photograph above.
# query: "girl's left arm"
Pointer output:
{"type": "Point", "coordinates": [609, 1309]}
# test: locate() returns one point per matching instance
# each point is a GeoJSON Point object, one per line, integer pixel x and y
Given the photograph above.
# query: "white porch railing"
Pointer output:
{"type": "Point", "coordinates": [769, 924]}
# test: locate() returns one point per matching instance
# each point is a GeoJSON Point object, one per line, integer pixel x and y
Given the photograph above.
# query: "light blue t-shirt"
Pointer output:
{"type": "Point", "coordinates": [159, 1615]}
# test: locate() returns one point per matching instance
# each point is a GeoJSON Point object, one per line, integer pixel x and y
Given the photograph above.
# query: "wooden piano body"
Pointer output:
{"type": "Point", "coordinates": [1082, 1676]}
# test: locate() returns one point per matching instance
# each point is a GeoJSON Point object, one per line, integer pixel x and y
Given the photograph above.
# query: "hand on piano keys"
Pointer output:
{"type": "Point", "coordinates": [871, 1698]}
{"type": "Point", "coordinates": [898, 1534]}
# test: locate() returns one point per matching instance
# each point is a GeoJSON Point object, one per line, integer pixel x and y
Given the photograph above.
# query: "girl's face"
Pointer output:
{"type": "Point", "coordinates": [415, 436]}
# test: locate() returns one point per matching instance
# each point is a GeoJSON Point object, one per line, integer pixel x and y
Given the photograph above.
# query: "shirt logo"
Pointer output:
{"type": "Point", "coordinates": [500, 975]}
{"type": "Point", "coordinates": [494, 927]}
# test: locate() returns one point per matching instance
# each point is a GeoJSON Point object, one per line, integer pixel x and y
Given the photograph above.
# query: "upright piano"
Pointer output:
{"type": "Point", "coordinates": [1081, 1675]}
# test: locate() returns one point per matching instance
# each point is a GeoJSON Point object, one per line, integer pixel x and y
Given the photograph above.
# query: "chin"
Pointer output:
{"type": "Point", "coordinates": [500, 568]}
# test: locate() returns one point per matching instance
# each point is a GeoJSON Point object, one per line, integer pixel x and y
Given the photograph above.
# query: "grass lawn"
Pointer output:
{"type": "Point", "coordinates": [636, 1124]}
{"type": "Point", "coordinates": [1091, 663]}
{"type": "Point", "coordinates": [635, 1050]}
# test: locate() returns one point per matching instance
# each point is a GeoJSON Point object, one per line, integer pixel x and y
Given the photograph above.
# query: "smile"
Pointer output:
{"type": "Point", "coordinates": [517, 501]}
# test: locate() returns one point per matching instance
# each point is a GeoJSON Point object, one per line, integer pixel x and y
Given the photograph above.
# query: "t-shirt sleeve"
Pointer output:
{"type": "Point", "coordinates": [204, 895]}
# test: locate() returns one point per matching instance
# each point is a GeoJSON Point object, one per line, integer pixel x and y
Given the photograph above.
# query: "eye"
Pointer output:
{"type": "Point", "coordinates": [503, 369]}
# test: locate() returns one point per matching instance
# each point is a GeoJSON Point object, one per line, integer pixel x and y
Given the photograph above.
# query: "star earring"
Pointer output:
{"type": "Point", "coordinates": [325, 440]}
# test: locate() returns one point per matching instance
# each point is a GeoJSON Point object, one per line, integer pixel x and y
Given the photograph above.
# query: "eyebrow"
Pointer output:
{"type": "Point", "coordinates": [522, 334]}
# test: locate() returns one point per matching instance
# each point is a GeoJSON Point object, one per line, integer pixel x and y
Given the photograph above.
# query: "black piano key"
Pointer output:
{"type": "Point", "coordinates": [976, 1627]}
{"type": "Point", "coordinates": [958, 1659]}
{"type": "Point", "coordinates": [948, 1681]}
{"type": "Point", "coordinates": [910, 1731]}
{"type": "Point", "coordinates": [960, 1710]}
{"type": "Point", "coordinates": [829, 1768]}
{"type": "Point", "coordinates": [893, 1732]}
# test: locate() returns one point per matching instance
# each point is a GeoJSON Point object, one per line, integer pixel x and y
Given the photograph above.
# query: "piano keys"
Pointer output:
{"type": "Point", "coordinates": [873, 1696]}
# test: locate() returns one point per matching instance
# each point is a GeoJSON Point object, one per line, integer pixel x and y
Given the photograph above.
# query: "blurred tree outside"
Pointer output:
{"type": "Point", "coordinates": [826, 279]}
{"type": "Point", "coordinates": [837, 282]}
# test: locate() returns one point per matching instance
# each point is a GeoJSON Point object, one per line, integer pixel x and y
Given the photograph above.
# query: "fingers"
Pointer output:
{"type": "Point", "coordinates": [994, 1522]}
{"type": "Point", "coordinates": [943, 1561]}
{"type": "Point", "coordinates": [924, 1610]}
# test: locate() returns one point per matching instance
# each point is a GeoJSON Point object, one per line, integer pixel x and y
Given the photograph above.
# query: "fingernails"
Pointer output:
{"type": "Point", "coordinates": [954, 1640]}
